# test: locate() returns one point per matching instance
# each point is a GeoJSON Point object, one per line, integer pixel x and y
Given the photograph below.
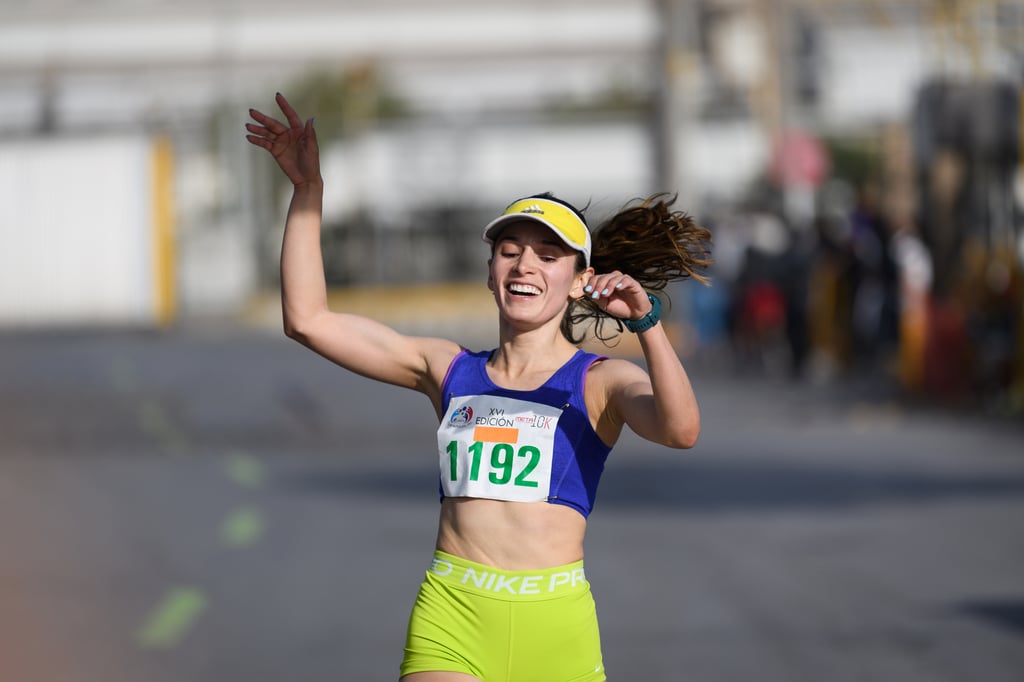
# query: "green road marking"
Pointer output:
{"type": "Point", "coordinates": [172, 618]}
{"type": "Point", "coordinates": [154, 421]}
{"type": "Point", "coordinates": [245, 471]}
{"type": "Point", "coordinates": [242, 527]}
{"type": "Point", "coordinates": [122, 375]}
{"type": "Point", "coordinates": [153, 418]}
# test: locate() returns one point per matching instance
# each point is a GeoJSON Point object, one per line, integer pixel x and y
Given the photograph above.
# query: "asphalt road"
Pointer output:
{"type": "Point", "coordinates": [222, 506]}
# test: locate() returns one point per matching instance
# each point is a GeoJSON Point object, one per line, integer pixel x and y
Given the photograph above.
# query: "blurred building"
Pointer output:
{"type": "Point", "coordinates": [128, 194]}
{"type": "Point", "coordinates": [473, 81]}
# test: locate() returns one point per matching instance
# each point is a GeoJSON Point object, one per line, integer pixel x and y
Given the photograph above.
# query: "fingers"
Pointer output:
{"type": "Point", "coordinates": [270, 129]}
{"type": "Point", "coordinates": [260, 136]}
{"type": "Point", "coordinates": [289, 113]}
{"type": "Point", "coordinates": [606, 284]}
{"type": "Point", "coordinates": [259, 142]}
{"type": "Point", "coordinates": [257, 130]}
{"type": "Point", "coordinates": [273, 125]}
{"type": "Point", "coordinates": [617, 294]}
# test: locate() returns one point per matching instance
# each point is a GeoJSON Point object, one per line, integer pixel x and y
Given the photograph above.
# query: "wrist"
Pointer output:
{"type": "Point", "coordinates": [649, 320]}
{"type": "Point", "coordinates": [313, 185]}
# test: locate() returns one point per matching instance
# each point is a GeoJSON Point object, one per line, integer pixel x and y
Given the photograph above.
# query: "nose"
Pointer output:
{"type": "Point", "coordinates": [527, 261]}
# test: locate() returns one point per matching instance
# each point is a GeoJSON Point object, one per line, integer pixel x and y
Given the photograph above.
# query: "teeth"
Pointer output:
{"type": "Point", "coordinates": [523, 289]}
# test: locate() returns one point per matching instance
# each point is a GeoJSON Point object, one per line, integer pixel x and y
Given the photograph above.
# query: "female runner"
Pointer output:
{"type": "Point", "coordinates": [525, 428]}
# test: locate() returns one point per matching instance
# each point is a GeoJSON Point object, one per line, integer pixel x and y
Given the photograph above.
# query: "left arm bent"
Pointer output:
{"type": "Point", "coordinates": [659, 404]}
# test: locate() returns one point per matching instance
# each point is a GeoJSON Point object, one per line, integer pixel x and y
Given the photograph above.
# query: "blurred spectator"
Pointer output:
{"type": "Point", "coordinates": [914, 268]}
{"type": "Point", "coordinates": [830, 297]}
{"type": "Point", "coordinates": [769, 299]}
{"type": "Point", "coordinates": [992, 301]}
{"type": "Point", "coordinates": [873, 280]}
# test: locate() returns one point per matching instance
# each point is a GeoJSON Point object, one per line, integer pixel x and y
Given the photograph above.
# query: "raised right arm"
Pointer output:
{"type": "Point", "coordinates": [354, 342]}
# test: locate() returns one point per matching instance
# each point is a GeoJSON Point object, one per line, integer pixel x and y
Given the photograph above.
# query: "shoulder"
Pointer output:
{"type": "Point", "coordinates": [438, 355]}
{"type": "Point", "coordinates": [610, 377]}
{"type": "Point", "coordinates": [610, 371]}
{"type": "Point", "coordinates": [607, 383]}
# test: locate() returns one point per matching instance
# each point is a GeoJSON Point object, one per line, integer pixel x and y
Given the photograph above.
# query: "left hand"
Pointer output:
{"type": "Point", "coordinates": [618, 295]}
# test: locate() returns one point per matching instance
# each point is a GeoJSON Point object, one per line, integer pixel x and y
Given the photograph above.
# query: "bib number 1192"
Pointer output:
{"type": "Point", "coordinates": [503, 461]}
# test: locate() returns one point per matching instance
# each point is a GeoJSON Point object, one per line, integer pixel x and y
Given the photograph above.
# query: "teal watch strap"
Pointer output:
{"type": "Point", "coordinates": [648, 320]}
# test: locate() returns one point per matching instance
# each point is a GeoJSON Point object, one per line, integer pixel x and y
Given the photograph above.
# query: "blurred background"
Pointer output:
{"type": "Point", "coordinates": [858, 161]}
{"type": "Point", "coordinates": [185, 494]}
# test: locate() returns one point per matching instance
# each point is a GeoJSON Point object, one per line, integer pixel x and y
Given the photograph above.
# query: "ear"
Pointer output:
{"type": "Point", "coordinates": [580, 281]}
{"type": "Point", "coordinates": [490, 277]}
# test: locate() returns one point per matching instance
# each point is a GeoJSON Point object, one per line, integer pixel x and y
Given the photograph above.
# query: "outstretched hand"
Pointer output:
{"type": "Point", "coordinates": [293, 146]}
{"type": "Point", "coordinates": [618, 295]}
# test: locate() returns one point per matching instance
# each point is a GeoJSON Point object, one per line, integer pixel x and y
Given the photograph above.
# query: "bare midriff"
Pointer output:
{"type": "Point", "coordinates": [513, 536]}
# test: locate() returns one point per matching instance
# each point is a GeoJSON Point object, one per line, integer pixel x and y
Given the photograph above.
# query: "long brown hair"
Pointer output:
{"type": "Point", "coordinates": [651, 243]}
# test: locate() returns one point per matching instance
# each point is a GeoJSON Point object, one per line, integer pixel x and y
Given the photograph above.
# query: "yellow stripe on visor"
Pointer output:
{"type": "Point", "coordinates": [561, 219]}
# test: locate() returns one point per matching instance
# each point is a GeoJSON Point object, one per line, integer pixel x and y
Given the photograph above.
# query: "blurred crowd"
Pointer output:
{"type": "Point", "coordinates": [854, 292]}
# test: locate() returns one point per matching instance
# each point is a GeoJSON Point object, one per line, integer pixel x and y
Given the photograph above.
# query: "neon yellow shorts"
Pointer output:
{"type": "Point", "coordinates": [504, 626]}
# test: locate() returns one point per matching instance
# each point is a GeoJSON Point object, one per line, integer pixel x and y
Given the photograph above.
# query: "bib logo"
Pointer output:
{"type": "Point", "coordinates": [462, 416]}
{"type": "Point", "coordinates": [536, 421]}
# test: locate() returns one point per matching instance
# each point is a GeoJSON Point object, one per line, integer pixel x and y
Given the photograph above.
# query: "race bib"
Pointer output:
{"type": "Point", "coordinates": [497, 448]}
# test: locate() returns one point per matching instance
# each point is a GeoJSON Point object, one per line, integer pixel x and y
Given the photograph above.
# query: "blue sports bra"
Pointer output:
{"type": "Point", "coordinates": [519, 446]}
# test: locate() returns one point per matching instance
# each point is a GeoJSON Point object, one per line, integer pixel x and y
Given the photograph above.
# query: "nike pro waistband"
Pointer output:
{"type": "Point", "coordinates": [545, 583]}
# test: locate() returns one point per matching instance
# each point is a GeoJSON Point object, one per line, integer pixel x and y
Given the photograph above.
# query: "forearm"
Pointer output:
{"type": "Point", "coordinates": [674, 399]}
{"type": "Point", "coordinates": [303, 287]}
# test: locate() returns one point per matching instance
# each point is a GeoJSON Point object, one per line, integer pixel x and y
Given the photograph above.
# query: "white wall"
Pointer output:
{"type": "Point", "coordinates": [604, 164]}
{"type": "Point", "coordinates": [76, 232]}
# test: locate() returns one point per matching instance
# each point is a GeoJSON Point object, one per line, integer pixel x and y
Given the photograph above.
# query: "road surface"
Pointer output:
{"type": "Point", "coordinates": [220, 505]}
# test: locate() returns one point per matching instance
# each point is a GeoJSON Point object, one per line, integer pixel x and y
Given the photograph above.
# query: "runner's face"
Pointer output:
{"type": "Point", "coordinates": [532, 273]}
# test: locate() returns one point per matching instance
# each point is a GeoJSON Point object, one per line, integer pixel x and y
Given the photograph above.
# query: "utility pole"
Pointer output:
{"type": "Point", "coordinates": [677, 63]}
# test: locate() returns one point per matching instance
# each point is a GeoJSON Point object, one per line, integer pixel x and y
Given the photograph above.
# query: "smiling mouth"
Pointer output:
{"type": "Point", "coordinates": [523, 289]}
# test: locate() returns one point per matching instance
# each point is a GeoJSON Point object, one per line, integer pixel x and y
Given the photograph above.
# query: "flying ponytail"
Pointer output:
{"type": "Point", "coordinates": [651, 243]}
